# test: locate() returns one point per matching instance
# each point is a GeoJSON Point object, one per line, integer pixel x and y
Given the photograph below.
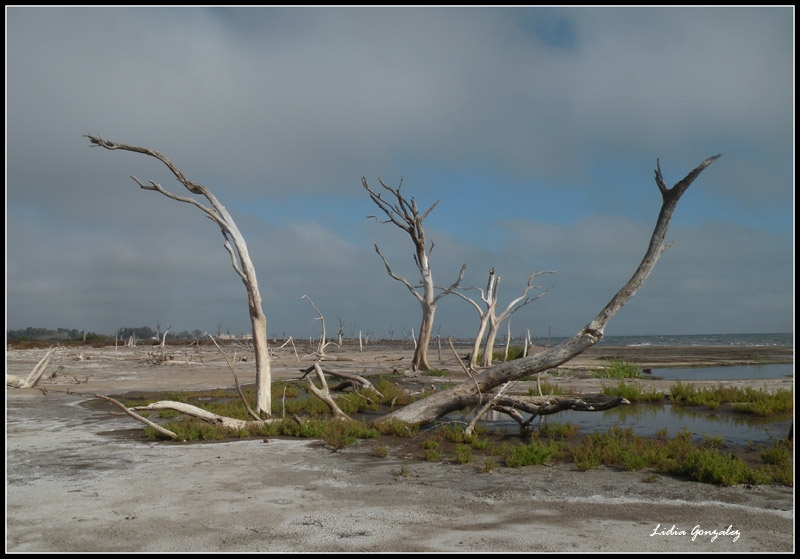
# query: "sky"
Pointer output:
{"type": "Point", "coordinates": [536, 129]}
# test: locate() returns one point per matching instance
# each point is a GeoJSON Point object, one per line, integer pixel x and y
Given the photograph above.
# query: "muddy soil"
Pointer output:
{"type": "Point", "coordinates": [78, 481]}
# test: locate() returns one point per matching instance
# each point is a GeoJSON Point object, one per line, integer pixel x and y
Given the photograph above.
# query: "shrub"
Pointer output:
{"type": "Point", "coordinates": [393, 395]}
{"type": "Point", "coordinates": [778, 454]}
{"type": "Point", "coordinates": [463, 453]}
{"type": "Point", "coordinates": [558, 430]}
{"type": "Point", "coordinates": [432, 455]}
{"type": "Point", "coordinates": [709, 466]}
{"type": "Point", "coordinates": [534, 453]}
{"type": "Point", "coordinates": [454, 432]}
{"type": "Point", "coordinates": [380, 450]}
{"type": "Point", "coordinates": [396, 428]}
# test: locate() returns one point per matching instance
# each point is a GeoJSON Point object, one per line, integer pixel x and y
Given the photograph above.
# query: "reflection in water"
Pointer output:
{"type": "Point", "coordinates": [646, 419]}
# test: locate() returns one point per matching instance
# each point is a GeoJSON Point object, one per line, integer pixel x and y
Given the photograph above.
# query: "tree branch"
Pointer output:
{"type": "Point", "coordinates": [402, 280]}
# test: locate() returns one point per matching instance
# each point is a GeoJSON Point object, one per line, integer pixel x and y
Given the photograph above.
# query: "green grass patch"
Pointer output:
{"type": "Point", "coordinates": [534, 453]}
{"type": "Point", "coordinates": [339, 434]}
{"type": "Point", "coordinates": [307, 417]}
{"type": "Point", "coordinates": [618, 369]}
{"type": "Point", "coordinates": [454, 432]}
{"type": "Point", "coordinates": [395, 428]}
{"type": "Point", "coordinates": [557, 430]}
{"type": "Point", "coordinates": [463, 453]}
{"type": "Point", "coordinates": [745, 400]}
{"type": "Point", "coordinates": [393, 395]}
{"type": "Point", "coordinates": [679, 456]}
{"type": "Point", "coordinates": [633, 392]}
{"type": "Point", "coordinates": [711, 466]}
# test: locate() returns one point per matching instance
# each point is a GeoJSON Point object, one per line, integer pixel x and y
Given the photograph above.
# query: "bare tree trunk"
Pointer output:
{"type": "Point", "coordinates": [240, 260]}
{"type": "Point", "coordinates": [476, 345]}
{"type": "Point", "coordinates": [465, 394]}
{"type": "Point", "coordinates": [405, 215]}
{"type": "Point", "coordinates": [420, 360]}
{"type": "Point", "coordinates": [488, 348]}
{"type": "Point", "coordinates": [490, 318]}
{"type": "Point", "coordinates": [320, 352]}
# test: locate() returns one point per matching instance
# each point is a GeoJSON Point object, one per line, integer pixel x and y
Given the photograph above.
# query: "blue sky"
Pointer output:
{"type": "Point", "coordinates": [536, 129]}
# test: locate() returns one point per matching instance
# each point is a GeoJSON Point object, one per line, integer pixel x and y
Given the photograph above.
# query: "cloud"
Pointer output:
{"type": "Point", "coordinates": [537, 129]}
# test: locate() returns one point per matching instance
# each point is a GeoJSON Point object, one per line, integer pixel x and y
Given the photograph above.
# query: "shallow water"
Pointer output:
{"type": "Point", "coordinates": [646, 419]}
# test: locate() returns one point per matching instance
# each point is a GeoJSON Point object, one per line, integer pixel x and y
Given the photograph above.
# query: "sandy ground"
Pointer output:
{"type": "Point", "coordinates": [77, 482]}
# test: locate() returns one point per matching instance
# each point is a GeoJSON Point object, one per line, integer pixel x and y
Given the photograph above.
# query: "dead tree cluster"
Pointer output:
{"type": "Point", "coordinates": [484, 389]}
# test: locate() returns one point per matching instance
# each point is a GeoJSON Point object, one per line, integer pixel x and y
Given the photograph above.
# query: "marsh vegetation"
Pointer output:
{"type": "Point", "coordinates": [302, 415]}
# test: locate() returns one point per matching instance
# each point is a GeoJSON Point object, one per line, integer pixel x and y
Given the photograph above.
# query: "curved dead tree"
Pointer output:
{"type": "Point", "coordinates": [476, 389]}
{"type": "Point", "coordinates": [240, 259]}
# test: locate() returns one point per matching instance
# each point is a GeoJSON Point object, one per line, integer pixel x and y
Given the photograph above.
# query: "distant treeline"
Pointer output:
{"type": "Point", "coordinates": [66, 334]}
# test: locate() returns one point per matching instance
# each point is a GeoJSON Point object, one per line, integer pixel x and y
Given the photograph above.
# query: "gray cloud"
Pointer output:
{"type": "Point", "coordinates": [537, 128]}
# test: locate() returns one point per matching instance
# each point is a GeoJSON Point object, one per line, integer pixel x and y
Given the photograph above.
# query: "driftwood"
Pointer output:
{"type": "Point", "coordinates": [484, 410]}
{"type": "Point", "coordinates": [138, 417]}
{"type": "Point", "coordinates": [200, 413]}
{"type": "Point", "coordinates": [350, 381]}
{"type": "Point", "coordinates": [324, 394]}
{"type": "Point", "coordinates": [13, 381]}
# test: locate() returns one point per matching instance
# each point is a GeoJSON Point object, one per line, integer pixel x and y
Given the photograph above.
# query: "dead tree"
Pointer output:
{"type": "Point", "coordinates": [475, 391]}
{"type": "Point", "coordinates": [403, 213]}
{"type": "Point", "coordinates": [489, 317]}
{"type": "Point", "coordinates": [320, 351]}
{"type": "Point", "coordinates": [30, 381]}
{"type": "Point", "coordinates": [240, 259]}
{"type": "Point", "coordinates": [478, 390]}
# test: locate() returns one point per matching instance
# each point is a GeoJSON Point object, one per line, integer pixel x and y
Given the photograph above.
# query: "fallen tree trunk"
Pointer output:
{"type": "Point", "coordinates": [200, 413]}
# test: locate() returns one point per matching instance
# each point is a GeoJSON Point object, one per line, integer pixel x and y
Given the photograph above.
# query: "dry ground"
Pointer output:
{"type": "Point", "coordinates": [77, 482]}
